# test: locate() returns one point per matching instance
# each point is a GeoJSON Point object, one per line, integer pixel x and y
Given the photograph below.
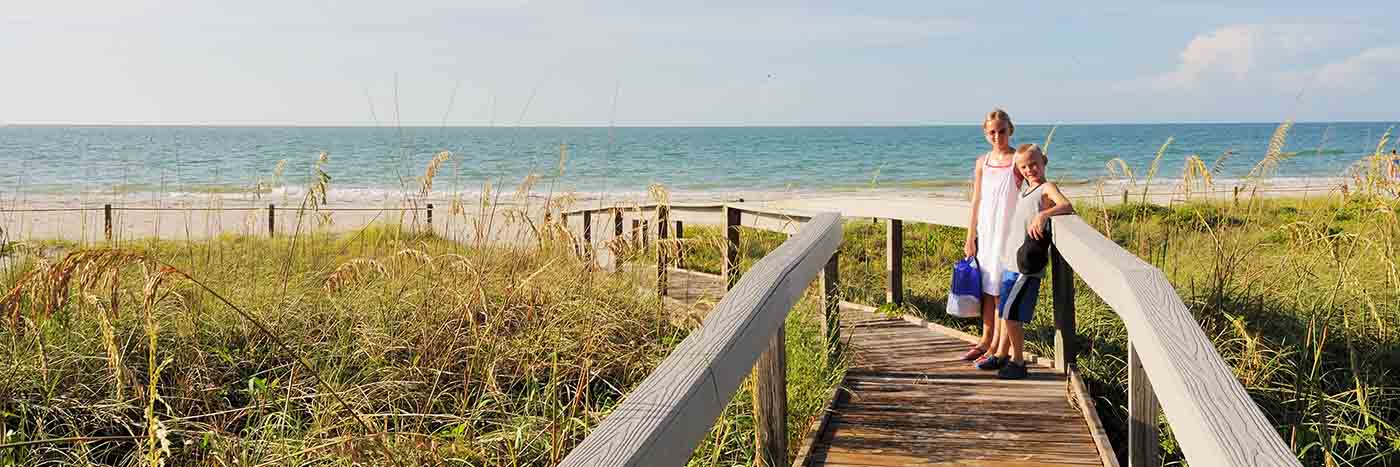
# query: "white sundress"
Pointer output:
{"type": "Point", "coordinates": [999, 193]}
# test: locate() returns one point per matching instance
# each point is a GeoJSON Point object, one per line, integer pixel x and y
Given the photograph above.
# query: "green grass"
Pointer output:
{"type": "Point", "coordinates": [420, 351]}
{"type": "Point", "coordinates": [1301, 297]}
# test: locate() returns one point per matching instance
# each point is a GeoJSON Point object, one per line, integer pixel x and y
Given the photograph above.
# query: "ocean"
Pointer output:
{"type": "Point", "coordinates": [142, 162]}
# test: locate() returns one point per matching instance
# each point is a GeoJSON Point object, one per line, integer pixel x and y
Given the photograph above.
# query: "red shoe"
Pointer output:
{"type": "Point", "coordinates": [973, 353]}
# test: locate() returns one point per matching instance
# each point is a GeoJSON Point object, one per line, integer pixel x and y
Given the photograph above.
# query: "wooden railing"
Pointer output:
{"type": "Point", "coordinates": [1173, 367]}
{"type": "Point", "coordinates": [667, 415]}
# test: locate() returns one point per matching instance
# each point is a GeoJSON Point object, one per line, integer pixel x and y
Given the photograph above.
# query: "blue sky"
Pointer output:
{"type": "Point", "coordinates": [513, 62]}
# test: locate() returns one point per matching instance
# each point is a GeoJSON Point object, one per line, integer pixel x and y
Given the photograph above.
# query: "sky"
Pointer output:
{"type": "Point", "coordinates": [526, 62]}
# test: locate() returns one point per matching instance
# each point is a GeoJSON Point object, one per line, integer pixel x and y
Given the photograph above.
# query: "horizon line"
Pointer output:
{"type": "Point", "coordinates": [641, 125]}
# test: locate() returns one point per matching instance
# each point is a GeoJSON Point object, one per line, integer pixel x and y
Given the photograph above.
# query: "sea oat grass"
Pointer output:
{"type": "Point", "coordinates": [472, 356]}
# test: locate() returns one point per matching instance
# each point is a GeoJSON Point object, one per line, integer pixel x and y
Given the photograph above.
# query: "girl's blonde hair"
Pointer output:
{"type": "Point", "coordinates": [998, 115]}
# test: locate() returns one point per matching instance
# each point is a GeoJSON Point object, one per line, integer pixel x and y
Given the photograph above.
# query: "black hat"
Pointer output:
{"type": "Point", "coordinates": [1033, 254]}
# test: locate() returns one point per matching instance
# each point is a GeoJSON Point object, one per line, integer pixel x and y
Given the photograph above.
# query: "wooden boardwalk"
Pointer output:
{"type": "Point", "coordinates": [912, 400]}
{"type": "Point", "coordinates": [909, 399]}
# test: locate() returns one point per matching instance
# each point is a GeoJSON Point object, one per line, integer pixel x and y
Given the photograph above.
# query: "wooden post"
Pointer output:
{"type": "Point", "coordinates": [1142, 414]}
{"type": "Point", "coordinates": [680, 244]}
{"type": "Point", "coordinates": [770, 403]}
{"type": "Point", "coordinates": [831, 308]}
{"type": "Point", "coordinates": [588, 237]}
{"type": "Point", "coordinates": [1237, 196]}
{"type": "Point", "coordinates": [730, 268]}
{"type": "Point", "coordinates": [894, 261]}
{"type": "Point", "coordinates": [271, 220]}
{"type": "Point", "coordinates": [1125, 196]}
{"type": "Point", "coordinates": [430, 215]}
{"type": "Point", "coordinates": [636, 231]}
{"type": "Point", "coordinates": [617, 234]}
{"type": "Point", "coordinates": [662, 219]}
{"type": "Point", "coordinates": [1062, 291]}
{"type": "Point", "coordinates": [646, 233]}
{"type": "Point", "coordinates": [107, 221]}
{"type": "Point", "coordinates": [564, 221]}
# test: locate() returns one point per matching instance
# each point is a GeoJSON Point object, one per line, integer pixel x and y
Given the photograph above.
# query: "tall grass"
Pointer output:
{"type": "Point", "coordinates": [387, 344]}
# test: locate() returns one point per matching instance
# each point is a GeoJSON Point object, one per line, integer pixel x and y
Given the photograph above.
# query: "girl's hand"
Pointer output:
{"type": "Point", "coordinates": [1036, 229]}
{"type": "Point", "coordinates": [970, 247]}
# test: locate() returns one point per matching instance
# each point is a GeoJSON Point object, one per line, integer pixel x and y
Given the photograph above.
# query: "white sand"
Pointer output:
{"type": "Point", "coordinates": [57, 218]}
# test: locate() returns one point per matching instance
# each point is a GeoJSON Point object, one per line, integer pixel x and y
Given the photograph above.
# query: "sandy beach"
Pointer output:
{"type": "Point", "coordinates": [82, 221]}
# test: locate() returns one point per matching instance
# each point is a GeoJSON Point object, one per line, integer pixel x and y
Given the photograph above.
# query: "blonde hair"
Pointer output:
{"type": "Point", "coordinates": [998, 115]}
{"type": "Point", "coordinates": [1034, 150]}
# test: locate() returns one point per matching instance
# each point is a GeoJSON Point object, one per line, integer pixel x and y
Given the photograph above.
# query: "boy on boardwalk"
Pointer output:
{"type": "Point", "coordinates": [1025, 255]}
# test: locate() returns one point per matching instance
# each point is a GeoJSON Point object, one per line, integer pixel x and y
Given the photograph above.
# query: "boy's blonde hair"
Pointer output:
{"type": "Point", "coordinates": [1034, 150]}
{"type": "Point", "coordinates": [998, 115]}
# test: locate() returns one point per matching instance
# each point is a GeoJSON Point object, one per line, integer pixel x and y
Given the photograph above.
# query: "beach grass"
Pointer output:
{"type": "Point", "coordinates": [384, 345]}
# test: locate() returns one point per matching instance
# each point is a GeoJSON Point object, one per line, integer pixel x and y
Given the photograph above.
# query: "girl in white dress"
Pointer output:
{"type": "Point", "coordinates": [995, 185]}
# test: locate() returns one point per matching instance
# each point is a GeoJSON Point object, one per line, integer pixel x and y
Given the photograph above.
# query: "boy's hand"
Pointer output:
{"type": "Point", "coordinates": [970, 247]}
{"type": "Point", "coordinates": [1036, 229]}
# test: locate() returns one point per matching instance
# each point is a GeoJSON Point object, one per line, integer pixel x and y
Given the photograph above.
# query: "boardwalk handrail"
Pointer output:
{"type": "Point", "coordinates": [1214, 419]}
{"type": "Point", "coordinates": [663, 420]}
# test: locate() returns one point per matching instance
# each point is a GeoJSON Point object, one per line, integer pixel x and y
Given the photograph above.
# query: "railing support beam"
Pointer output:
{"type": "Point", "coordinates": [1142, 414]}
{"type": "Point", "coordinates": [730, 268]}
{"type": "Point", "coordinates": [107, 221]}
{"type": "Point", "coordinates": [831, 308]}
{"type": "Point", "coordinates": [680, 244]}
{"type": "Point", "coordinates": [588, 237]}
{"type": "Point", "coordinates": [770, 403]}
{"type": "Point", "coordinates": [894, 261]}
{"type": "Point", "coordinates": [1062, 291]}
{"type": "Point", "coordinates": [617, 237]}
{"type": "Point", "coordinates": [662, 217]}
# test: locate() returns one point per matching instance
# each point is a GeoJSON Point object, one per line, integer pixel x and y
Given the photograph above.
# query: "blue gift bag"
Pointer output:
{"type": "Point", "coordinates": [967, 277]}
{"type": "Point", "coordinates": [965, 297]}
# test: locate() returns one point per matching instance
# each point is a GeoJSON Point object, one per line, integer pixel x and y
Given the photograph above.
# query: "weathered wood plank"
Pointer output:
{"type": "Point", "coordinates": [665, 417]}
{"type": "Point", "coordinates": [914, 401]}
{"type": "Point", "coordinates": [781, 221]}
{"type": "Point", "coordinates": [1214, 419]}
{"type": "Point", "coordinates": [1085, 401]}
{"type": "Point", "coordinates": [814, 433]}
{"type": "Point", "coordinates": [702, 208]}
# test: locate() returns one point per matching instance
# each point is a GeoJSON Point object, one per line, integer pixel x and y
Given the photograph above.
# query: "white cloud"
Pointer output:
{"type": "Point", "coordinates": [1241, 53]}
{"type": "Point", "coordinates": [1360, 72]}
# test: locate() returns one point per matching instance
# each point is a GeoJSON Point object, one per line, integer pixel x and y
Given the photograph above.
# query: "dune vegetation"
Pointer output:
{"type": "Point", "coordinates": [384, 345]}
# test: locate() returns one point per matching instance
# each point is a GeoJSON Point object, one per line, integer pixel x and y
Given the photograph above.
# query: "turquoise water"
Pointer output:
{"type": "Point", "coordinates": [376, 162]}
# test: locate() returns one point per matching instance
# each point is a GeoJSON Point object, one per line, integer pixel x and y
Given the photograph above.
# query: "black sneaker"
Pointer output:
{"type": "Point", "coordinates": [1013, 370]}
{"type": "Point", "coordinates": [991, 362]}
